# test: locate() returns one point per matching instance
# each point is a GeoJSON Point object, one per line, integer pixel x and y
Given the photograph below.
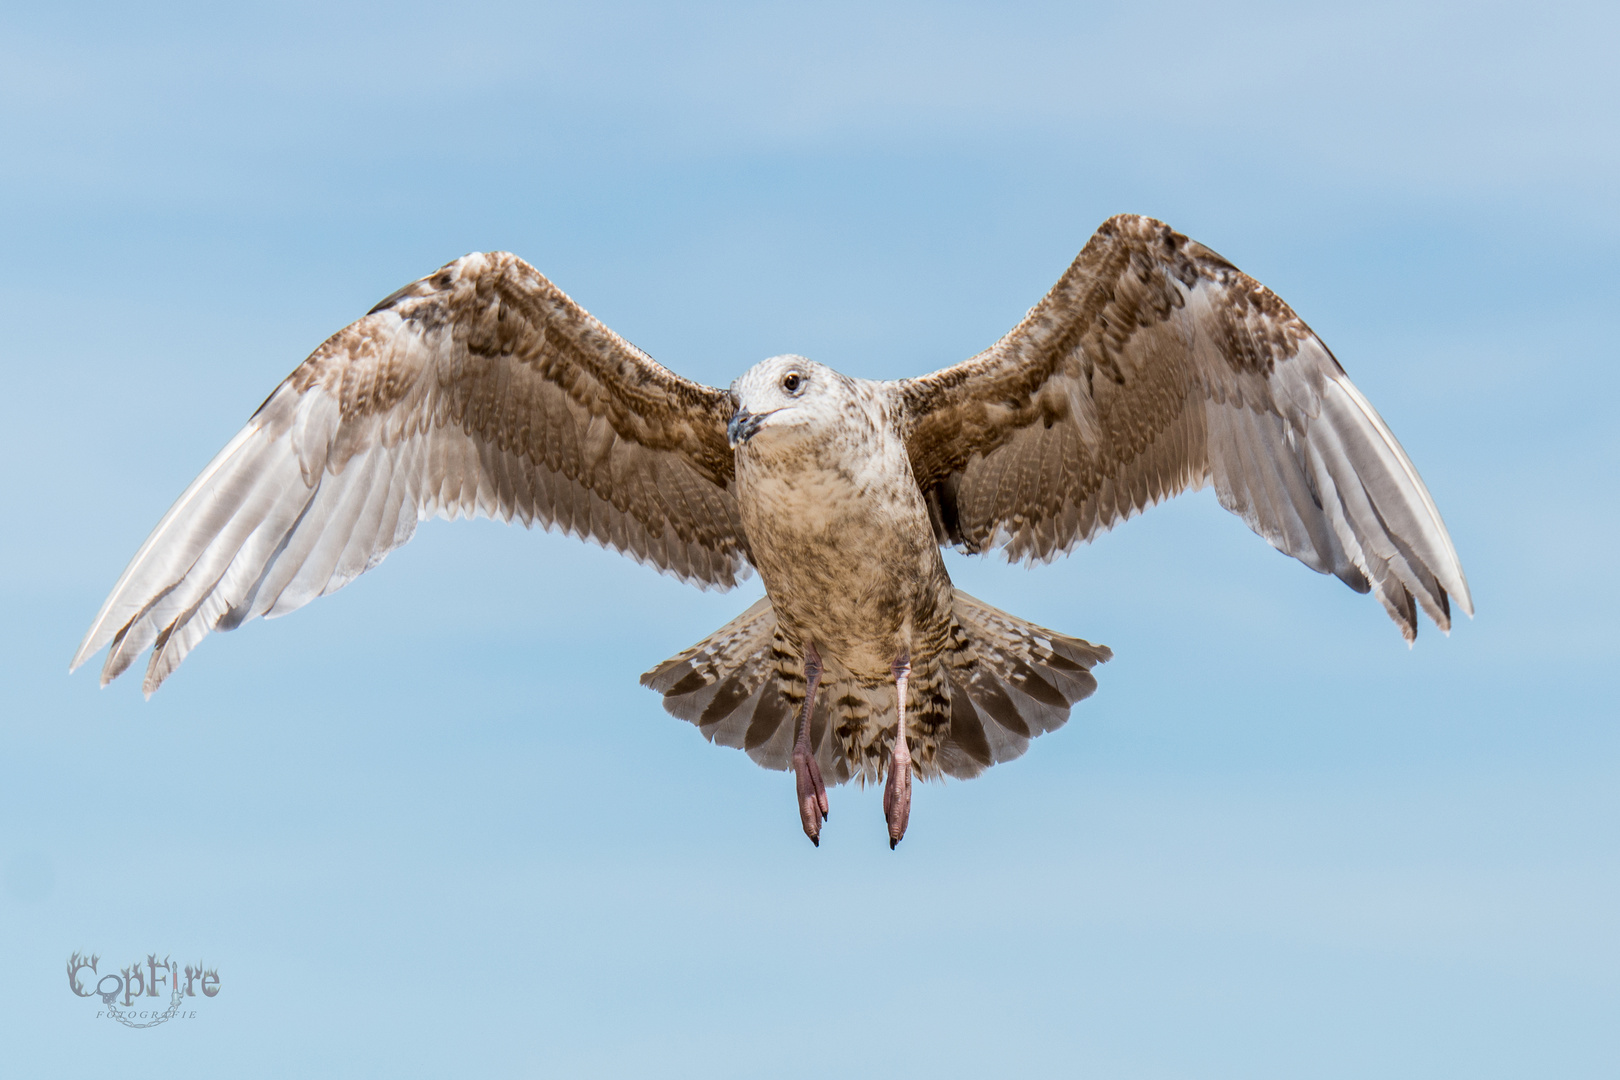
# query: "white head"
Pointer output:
{"type": "Point", "coordinates": [783, 397]}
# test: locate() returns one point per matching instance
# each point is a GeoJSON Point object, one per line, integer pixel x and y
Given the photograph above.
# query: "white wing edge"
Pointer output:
{"type": "Point", "coordinates": [100, 633]}
{"type": "Point", "coordinates": [1451, 575]}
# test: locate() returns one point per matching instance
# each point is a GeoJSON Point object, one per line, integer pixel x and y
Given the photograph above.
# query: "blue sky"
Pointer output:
{"type": "Point", "coordinates": [432, 825]}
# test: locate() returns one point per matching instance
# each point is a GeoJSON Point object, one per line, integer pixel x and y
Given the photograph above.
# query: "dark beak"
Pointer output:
{"type": "Point", "coordinates": [743, 425]}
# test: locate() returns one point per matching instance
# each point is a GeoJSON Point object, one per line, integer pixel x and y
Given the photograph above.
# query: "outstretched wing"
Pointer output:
{"type": "Point", "coordinates": [1154, 365]}
{"type": "Point", "coordinates": [480, 390]}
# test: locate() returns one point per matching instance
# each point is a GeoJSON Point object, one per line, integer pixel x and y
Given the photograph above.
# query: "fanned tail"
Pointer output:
{"type": "Point", "coordinates": [728, 685]}
{"type": "Point", "coordinates": [999, 682]}
{"type": "Point", "coordinates": [1010, 681]}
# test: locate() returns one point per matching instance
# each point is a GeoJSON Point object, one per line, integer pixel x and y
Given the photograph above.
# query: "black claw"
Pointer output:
{"type": "Point", "coordinates": [893, 843]}
{"type": "Point", "coordinates": [816, 840]}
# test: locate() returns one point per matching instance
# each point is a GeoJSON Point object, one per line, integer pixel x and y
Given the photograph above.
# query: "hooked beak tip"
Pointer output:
{"type": "Point", "coordinates": [742, 426]}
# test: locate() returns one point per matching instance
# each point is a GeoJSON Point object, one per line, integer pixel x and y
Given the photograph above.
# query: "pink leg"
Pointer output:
{"type": "Point", "coordinates": [812, 792]}
{"type": "Point", "coordinates": [897, 792]}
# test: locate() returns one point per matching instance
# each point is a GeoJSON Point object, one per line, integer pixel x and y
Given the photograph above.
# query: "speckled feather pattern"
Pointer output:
{"type": "Point", "coordinates": [841, 537]}
{"type": "Point", "coordinates": [1152, 366]}
{"type": "Point", "coordinates": [479, 390]}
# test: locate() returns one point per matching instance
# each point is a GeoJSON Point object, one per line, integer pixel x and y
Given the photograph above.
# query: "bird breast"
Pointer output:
{"type": "Point", "coordinates": [841, 537]}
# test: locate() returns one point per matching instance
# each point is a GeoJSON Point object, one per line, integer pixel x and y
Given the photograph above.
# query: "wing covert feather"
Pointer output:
{"type": "Point", "coordinates": [1154, 366]}
{"type": "Point", "coordinates": [481, 390]}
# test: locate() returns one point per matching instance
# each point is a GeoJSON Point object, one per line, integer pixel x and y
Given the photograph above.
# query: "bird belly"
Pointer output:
{"type": "Point", "coordinates": [851, 567]}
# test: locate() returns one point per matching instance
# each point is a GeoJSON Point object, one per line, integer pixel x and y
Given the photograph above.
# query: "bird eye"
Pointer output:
{"type": "Point", "coordinates": [792, 381]}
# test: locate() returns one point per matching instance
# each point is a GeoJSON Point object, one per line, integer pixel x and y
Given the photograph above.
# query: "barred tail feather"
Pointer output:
{"type": "Point", "coordinates": [743, 685]}
{"type": "Point", "coordinates": [1008, 681]}
{"type": "Point", "coordinates": [1011, 680]}
{"type": "Point", "coordinates": [726, 685]}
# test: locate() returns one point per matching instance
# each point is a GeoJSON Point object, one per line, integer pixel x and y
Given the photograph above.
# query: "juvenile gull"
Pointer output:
{"type": "Point", "coordinates": [1153, 366]}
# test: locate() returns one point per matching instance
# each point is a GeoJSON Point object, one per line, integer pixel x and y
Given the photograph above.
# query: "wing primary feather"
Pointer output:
{"type": "Point", "coordinates": [1154, 365]}
{"type": "Point", "coordinates": [481, 389]}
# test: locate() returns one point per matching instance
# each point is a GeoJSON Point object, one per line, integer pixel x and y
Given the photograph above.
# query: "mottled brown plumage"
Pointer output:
{"type": "Point", "coordinates": [1152, 366]}
{"type": "Point", "coordinates": [479, 390]}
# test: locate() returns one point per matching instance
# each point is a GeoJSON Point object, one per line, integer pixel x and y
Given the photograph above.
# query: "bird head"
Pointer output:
{"type": "Point", "coordinates": [778, 398]}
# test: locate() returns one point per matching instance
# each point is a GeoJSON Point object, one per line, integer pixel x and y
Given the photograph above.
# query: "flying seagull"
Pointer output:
{"type": "Point", "coordinates": [1153, 366]}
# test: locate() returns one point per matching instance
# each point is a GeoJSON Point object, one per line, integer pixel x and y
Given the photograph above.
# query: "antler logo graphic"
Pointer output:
{"type": "Point", "coordinates": [77, 963]}
{"type": "Point", "coordinates": [138, 980]}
